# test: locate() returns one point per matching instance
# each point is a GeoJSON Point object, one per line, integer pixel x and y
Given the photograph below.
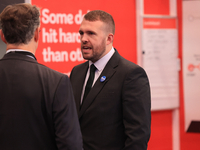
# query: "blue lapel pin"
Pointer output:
{"type": "Point", "coordinates": [103, 78]}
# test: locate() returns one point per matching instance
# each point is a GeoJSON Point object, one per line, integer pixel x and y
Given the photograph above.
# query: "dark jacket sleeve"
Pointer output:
{"type": "Point", "coordinates": [136, 109]}
{"type": "Point", "coordinates": [67, 130]}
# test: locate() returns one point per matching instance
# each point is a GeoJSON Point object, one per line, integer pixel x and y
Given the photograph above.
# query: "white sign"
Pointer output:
{"type": "Point", "coordinates": [191, 61]}
{"type": "Point", "coordinates": [159, 44]}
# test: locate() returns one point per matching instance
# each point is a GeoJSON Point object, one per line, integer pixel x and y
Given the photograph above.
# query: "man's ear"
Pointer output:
{"type": "Point", "coordinates": [110, 38]}
{"type": "Point", "coordinates": [2, 36]}
{"type": "Point", "coordinates": [36, 35]}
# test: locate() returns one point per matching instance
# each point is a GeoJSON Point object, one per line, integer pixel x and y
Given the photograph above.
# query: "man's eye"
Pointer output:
{"type": "Point", "coordinates": [91, 33]}
{"type": "Point", "coordinates": [81, 33]}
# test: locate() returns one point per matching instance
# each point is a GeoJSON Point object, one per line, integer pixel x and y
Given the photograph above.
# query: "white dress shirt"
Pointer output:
{"type": "Point", "coordinates": [100, 65]}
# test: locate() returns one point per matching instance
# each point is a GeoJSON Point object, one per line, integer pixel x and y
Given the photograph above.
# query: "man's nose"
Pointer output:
{"type": "Point", "coordinates": [84, 38]}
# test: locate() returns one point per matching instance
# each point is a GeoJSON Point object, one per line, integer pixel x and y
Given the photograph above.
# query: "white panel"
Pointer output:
{"type": "Point", "coordinates": [160, 62]}
{"type": "Point", "coordinates": [27, 1]}
{"type": "Point", "coordinates": [175, 130]}
{"type": "Point", "coordinates": [191, 61]}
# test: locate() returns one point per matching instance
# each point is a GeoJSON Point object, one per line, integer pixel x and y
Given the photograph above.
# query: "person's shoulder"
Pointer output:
{"type": "Point", "coordinates": [79, 66]}
{"type": "Point", "coordinates": [49, 71]}
{"type": "Point", "coordinates": [123, 61]}
{"type": "Point", "coordinates": [128, 64]}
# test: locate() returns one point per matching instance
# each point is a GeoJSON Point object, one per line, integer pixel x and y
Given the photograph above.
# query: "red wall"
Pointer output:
{"type": "Point", "coordinates": [161, 131]}
{"type": "Point", "coordinates": [125, 35]}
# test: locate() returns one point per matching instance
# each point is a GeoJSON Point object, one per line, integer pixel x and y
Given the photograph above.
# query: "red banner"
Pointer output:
{"type": "Point", "coordinates": [59, 44]}
{"type": "Point", "coordinates": [159, 23]}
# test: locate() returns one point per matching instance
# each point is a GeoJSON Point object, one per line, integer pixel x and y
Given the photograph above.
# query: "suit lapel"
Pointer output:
{"type": "Point", "coordinates": [79, 85]}
{"type": "Point", "coordinates": [108, 71]}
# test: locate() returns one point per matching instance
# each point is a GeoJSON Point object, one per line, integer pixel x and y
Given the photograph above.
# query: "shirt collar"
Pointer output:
{"type": "Point", "coordinates": [19, 50]}
{"type": "Point", "coordinates": [31, 55]}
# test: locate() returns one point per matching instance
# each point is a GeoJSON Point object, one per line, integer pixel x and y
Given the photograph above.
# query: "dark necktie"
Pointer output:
{"type": "Point", "coordinates": [89, 81]}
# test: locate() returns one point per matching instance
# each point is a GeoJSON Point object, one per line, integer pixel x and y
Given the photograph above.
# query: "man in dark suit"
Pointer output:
{"type": "Point", "coordinates": [116, 112]}
{"type": "Point", "coordinates": [37, 108]}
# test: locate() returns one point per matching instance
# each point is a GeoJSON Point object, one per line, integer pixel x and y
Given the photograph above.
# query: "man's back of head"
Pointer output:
{"type": "Point", "coordinates": [18, 22]}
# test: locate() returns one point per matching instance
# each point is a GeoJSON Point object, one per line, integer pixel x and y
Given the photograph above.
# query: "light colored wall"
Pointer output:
{"type": "Point", "coordinates": [2, 48]}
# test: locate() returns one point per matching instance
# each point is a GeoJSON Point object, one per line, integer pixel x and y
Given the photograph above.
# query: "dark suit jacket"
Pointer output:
{"type": "Point", "coordinates": [37, 108]}
{"type": "Point", "coordinates": [116, 113]}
